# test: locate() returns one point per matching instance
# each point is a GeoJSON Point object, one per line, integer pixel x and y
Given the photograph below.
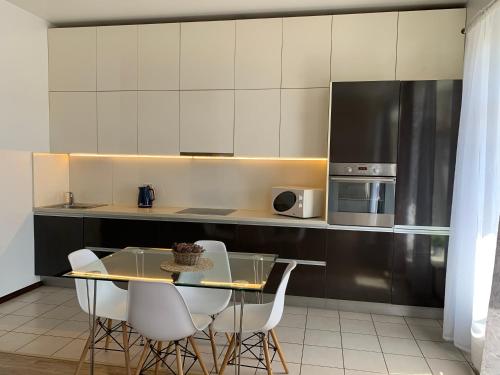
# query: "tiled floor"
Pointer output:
{"type": "Point", "coordinates": [48, 322]}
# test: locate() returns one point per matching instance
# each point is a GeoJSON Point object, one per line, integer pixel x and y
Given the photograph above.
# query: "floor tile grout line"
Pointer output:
{"type": "Point", "coordinates": [380, 345]}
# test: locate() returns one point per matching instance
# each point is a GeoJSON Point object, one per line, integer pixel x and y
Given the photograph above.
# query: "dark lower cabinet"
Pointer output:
{"type": "Point", "coordinates": [121, 233]}
{"type": "Point", "coordinates": [359, 265]}
{"type": "Point", "coordinates": [55, 238]}
{"type": "Point", "coordinates": [287, 242]}
{"type": "Point", "coordinates": [384, 267]}
{"type": "Point", "coordinates": [305, 280]}
{"type": "Point", "coordinates": [419, 269]}
{"type": "Point", "coordinates": [191, 232]}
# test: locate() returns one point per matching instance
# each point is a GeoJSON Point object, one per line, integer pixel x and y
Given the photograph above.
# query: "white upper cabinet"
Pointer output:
{"type": "Point", "coordinates": [364, 46]}
{"type": "Point", "coordinates": [430, 45]}
{"type": "Point", "coordinates": [72, 59]}
{"type": "Point", "coordinates": [257, 123]}
{"type": "Point", "coordinates": [304, 123]}
{"type": "Point", "coordinates": [73, 122]}
{"type": "Point", "coordinates": [117, 58]}
{"type": "Point", "coordinates": [158, 124]}
{"type": "Point", "coordinates": [207, 121]}
{"type": "Point", "coordinates": [258, 53]}
{"type": "Point", "coordinates": [158, 56]}
{"type": "Point", "coordinates": [306, 51]}
{"type": "Point", "coordinates": [117, 122]}
{"type": "Point", "coordinates": [207, 55]}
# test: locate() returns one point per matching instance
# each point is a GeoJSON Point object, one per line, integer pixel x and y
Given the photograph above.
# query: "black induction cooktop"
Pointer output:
{"type": "Point", "coordinates": [206, 211]}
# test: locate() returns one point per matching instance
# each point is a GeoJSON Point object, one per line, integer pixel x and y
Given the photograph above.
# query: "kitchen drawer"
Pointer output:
{"type": "Point", "coordinates": [287, 242]}
{"type": "Point", "coordinates": [305, 280]}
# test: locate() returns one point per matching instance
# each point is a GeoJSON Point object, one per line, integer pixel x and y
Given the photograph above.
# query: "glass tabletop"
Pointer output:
{"type": "Point", "coordinates": [237, 271]}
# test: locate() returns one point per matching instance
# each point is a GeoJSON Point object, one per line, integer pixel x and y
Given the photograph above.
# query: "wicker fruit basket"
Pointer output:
{"type": "Point", "coordinates": [187, 254]}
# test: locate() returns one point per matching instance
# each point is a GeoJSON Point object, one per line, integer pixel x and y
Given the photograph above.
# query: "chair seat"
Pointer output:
{"type": "Point", "coordinates": [201, 321]}
{"type": "Point", "coordinates": [204, 301]}
{"type": "Point", "coordinates": [255, 318]}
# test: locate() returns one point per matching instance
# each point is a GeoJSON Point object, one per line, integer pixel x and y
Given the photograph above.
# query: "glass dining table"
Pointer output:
{"type": "Point", "coordinates": [249, 273]}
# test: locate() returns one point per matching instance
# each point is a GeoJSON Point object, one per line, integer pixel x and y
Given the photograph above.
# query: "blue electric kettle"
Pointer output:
{"type": "Point", "coordinates": [146, 196]}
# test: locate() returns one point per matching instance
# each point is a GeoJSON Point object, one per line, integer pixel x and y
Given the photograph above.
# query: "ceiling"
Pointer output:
{"type": "Point", "coordinates": [92, 12]}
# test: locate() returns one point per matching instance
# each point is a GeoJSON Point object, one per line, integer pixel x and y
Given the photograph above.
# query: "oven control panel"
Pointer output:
{"type": "Point", "coordinates": [359, 169]}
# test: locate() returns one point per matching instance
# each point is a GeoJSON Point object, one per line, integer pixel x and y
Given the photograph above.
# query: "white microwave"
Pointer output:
{"type": "Point", "coordinates": [297, 201]}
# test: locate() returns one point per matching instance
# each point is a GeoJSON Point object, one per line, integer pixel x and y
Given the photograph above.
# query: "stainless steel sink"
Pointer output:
{"type": "Point", "coordinates": [80, 206]}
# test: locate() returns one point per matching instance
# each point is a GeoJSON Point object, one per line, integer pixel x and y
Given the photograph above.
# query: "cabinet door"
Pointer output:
{"type": "Point", "coordinates": [430, 45]}
{"type": "Point", "coordinates": [359, 265]}
{"type": "Point", "coordinates": [289, 243]}
{"type": "Point", "coordinates": [55, 238]}
{"type": "Point", "coordinates": [428, 132]}
{"type": "Point", "coordinates": [306, 51]}
{"type": "Point", "coordinates": [72, 59]}
{"type": "Point", "coordinates": [364, 46]}
{"type": "Point", "coordinates": [304, 123]}
{"type": "Point", "coordinates": [207, 121]}
{"type": "Point", "coordinates": [305, 280]}
{"type": "Point", "coordinates": [158, 122]}
{"type": "Point", "coordinates": [121, 233]}
{"type": "Point", "coordinates": [258, 53]}
{"type": "Point", "coordinates": [158, 52]}
{"type": "Point", "coordinates": [117, 58]}
{"type": "Point", "coordinates": [207, 55]}
{"type": "Point", "coordinates": [117, 122]}
{"type": "Point", "coordinates": [419, 269]}
{"type": "Point", "coordinates": [73, 122]}
{"type": "Point", "coordinates": [257, 123]}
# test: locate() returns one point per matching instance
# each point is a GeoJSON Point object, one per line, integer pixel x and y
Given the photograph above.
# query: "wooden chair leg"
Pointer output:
{"type": "Point", "coordinates": [214, 348]}
{"type": "Point", "coordinates": [126, 347]}
{"type": "Point", "coordinates": [109, 325]}
{"type": "Point", "coordinates": [229, 351]}
{"type": "Point", "coordinates": [228, 338]}
{"type": "Point", "coordinates": [143, 357]}
{"type": "Point", "coordinates": [179, 359]}
{"type": "Point", "coordinates": [279, 350]}
{"type": "Point", "coordinates": [157, 365]}
{"type": "Point", "coordinates": [266, 355]}
{"type": "Point", "coordinates": [192, 341]}
{"type": "Point", "coordinates": [83, 355]}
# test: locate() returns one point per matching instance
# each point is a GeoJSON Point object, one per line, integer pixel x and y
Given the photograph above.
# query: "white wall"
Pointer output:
{"type": "Point", "coordinates": [23, 128]}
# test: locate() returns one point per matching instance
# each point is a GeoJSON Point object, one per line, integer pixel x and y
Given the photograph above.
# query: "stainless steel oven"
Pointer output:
{"type": "Point", "coordinates": [361, 200]}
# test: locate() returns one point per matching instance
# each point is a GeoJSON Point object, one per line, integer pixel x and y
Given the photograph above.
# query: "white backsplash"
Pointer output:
{"type": "Point", "coordinates": [179, 182]}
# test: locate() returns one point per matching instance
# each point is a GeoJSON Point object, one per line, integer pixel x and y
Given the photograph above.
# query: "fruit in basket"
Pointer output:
{"type": "Point", "coordinates": [185, 247]}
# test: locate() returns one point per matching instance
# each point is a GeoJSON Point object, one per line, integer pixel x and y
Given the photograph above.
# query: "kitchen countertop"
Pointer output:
{"type": "Point", "coordinates": [252, 217]}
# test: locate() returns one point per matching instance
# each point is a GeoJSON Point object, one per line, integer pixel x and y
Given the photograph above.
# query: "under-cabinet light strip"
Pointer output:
{"type": "Point", "coordinates": [190, 157]}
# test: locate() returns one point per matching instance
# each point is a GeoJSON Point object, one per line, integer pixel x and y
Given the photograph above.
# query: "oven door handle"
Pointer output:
{"type": "Point", "coordinates": [364, 179]}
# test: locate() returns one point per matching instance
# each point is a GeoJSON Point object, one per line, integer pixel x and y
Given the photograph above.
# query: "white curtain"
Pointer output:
{"type": "Point", "coordinates": [476, 195]}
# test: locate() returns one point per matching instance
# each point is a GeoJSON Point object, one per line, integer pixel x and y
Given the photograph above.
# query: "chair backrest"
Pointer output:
{"type": "Point", "coordinates": [158, 311]}
{"type": "Point", "coordinates": [219, 298]}
{"type": "Point", "coordinates": [279, 299]}
{"type": "Point", "coordinates": [79, 259]}
{"type": "Point", "coordinates": [218, 247]}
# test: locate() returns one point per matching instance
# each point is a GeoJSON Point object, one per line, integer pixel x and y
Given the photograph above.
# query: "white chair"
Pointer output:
{"type": "Point", "coordinates": [111, 303]}
{"type": "Point", "coordinates": [210, 301]}
{"type": "Point", "coordinates": [258, 319]}
{"type": "Point", "coordinates": [159, 313]}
